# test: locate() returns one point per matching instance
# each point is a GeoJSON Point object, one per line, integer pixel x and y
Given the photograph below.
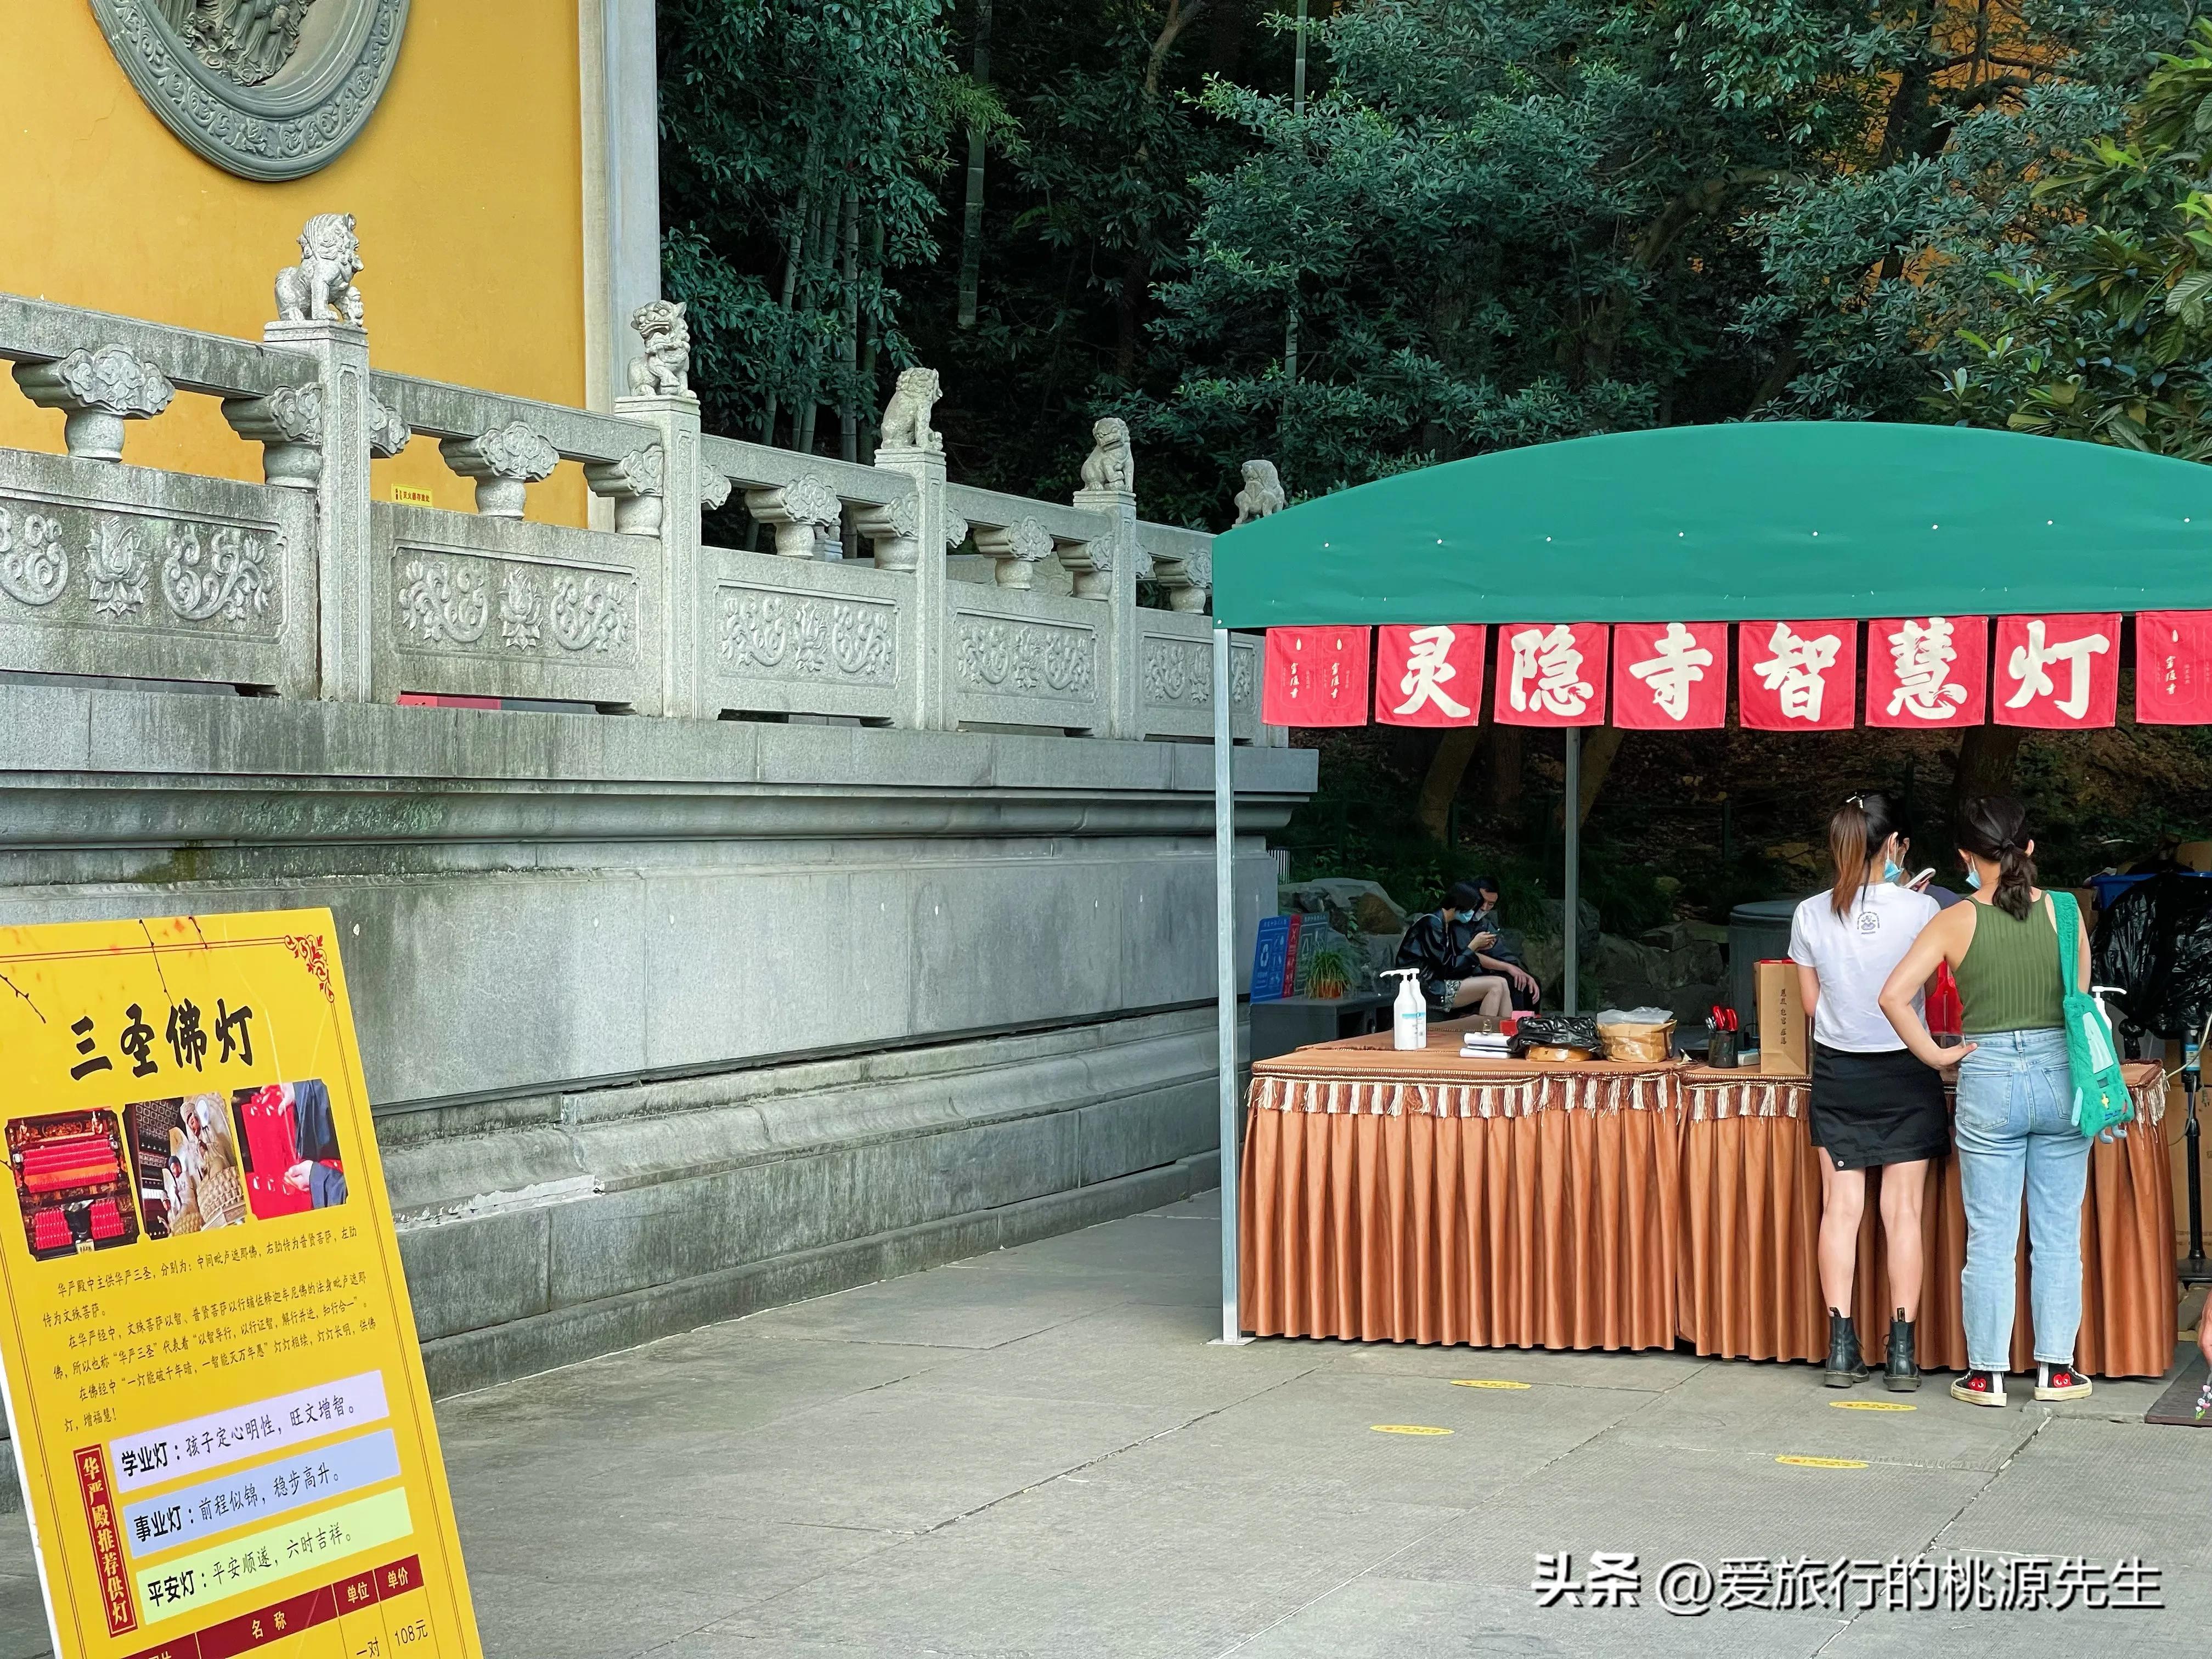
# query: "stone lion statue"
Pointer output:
{"type": "Point", "coordinates": [1110, 464]}
{"type": "Point", "coordinates": [330, 259]}
{"type": "Point", "coordinates": [1262, 493]}
{"type": "Point", "coordinates": [665, 371]}
{"type": "Point", "coordinates": [906, 417]}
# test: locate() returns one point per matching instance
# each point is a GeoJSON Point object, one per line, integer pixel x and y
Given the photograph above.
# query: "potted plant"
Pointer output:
{"type": "Point", "coordinates": [1329, 968]}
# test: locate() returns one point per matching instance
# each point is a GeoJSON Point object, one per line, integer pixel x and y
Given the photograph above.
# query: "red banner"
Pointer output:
{"type": "Point", "coordinates": [1550, 674]}
{"type": "Point", "coordinates": [2058, 673]}
{"type": "Point", "coordinates": [1669, 677]}
{"type": "Point", "coordinates": [1314, 676]}
{"type": "Point", "coordinates": [1797, 676]}
{"type": "Point", "coordinates": [1928, 670]}
{"type": "Point", "coordinates": [1429, 676]}
{"type": "Point", "coordinates": [106, 1540]}
{"type": "Point", "coordinates": [2173, 667]}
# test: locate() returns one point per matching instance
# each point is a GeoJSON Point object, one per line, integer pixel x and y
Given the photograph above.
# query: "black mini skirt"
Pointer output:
{"type": "Point", "coordinates": [1873, 1109]}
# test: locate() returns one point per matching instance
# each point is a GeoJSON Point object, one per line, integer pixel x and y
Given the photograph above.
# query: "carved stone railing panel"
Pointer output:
{"type": "Point", "coordinates": [791, 636]}
{"type": "Point", "coordinates": [301, 585]}
{"type": "Point", "coordinates": [469, 606]}
{"type": "Point", "coordinates": [1175, 678]}
{"type": "Point", "coordinates": [149, 575]}
{"type": "Point", "coordinates": [1026, 658]}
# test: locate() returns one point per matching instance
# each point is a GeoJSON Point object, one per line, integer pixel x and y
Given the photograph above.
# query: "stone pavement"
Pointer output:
{"type": "Point", "coordinates": [1036, 1453]}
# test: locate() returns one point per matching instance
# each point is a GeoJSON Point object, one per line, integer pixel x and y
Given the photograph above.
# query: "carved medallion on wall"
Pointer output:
{"type": "Point", "coordinates": [268, 89]}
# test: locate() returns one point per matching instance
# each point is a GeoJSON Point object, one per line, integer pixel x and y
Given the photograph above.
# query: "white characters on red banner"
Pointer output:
{"type": "Point", "coordinates": [1923, 671]}
{"type": "Point", "coordinates": [1797, 671]}
{"type": "Point", "coordinates": [1797, 676]}
{"type": "Point", "coordinates": [1676, 663]}
{"type": "Point", "coordinates": [2034, 658]}
{"type": "Point", "coordinates": [2057, 672]}
{"type": "Point", "coordinates": [1431, 675]}
{"type": "Point", "coordinates": [1924, 656]}
{"type": "Point", "coordinates": [1428, 666]}
{"type": "Point", "coordinates": [1546, 674]}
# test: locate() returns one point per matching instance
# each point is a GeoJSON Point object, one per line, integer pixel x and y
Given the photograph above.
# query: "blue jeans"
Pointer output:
{"type": "Point", "coordinates": [2016, 1125]}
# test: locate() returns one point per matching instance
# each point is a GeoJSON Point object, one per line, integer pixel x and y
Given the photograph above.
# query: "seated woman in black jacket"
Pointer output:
{"type": "Point", "coordinates": [1455, 976]}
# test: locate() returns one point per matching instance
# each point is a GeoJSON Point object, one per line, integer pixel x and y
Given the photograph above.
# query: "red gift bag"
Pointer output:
{"type": "Point", "coordinates": [271, 1141]}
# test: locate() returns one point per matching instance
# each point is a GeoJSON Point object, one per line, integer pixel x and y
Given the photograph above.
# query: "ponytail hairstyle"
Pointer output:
{"type": "Point", "coordinates": [1859, 828]}
{"type": "Point", "coordinates": [1995, 827]}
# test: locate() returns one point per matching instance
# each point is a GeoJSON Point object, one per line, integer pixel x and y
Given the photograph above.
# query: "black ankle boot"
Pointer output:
{"type": "Point", "coordinates": [1903, 1371]}
{"type": "Point", "coordinates": [1846, 1365]}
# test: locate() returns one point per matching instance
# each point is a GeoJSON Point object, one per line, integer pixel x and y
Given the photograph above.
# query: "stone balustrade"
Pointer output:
{"type": "Point", "coordinates": [847, 604]}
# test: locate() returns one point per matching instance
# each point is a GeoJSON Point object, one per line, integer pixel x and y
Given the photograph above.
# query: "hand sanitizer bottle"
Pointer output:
{"type": "Point", "coordinates": [1409, 1014]}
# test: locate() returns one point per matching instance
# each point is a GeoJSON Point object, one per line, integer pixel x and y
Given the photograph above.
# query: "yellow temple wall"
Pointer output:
{"type": "Point", "coordinates": [467, 185]}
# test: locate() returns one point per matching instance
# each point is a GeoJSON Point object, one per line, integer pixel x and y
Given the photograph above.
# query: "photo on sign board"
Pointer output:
{"type": "Point", "coordinates": [293, 1159]}
{"type": "Point", "coordinates": [72, 1183]}
{"type": "Point", "coordinates": [187, 1164]}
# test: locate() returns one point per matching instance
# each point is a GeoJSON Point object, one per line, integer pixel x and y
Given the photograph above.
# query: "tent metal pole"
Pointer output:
{"type": "Point", "coordinates": [1224, 977]}
{"type": "Point", "coordinates": [1571, 815]}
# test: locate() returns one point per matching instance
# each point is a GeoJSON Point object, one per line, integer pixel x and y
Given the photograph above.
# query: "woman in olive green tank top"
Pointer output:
{"type": "Point", "coordinates": [2015, 1123]}
{"type": "Point", "coordinates": [2008, 977]}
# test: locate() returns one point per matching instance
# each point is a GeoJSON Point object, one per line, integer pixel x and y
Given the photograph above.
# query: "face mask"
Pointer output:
{"type": "Point", "coordinates": [1973, 878]}
{"type": "Point", "coordinates": [1891, 869]}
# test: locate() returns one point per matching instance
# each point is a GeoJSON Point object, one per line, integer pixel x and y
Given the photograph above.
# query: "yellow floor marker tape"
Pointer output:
{"type": "Point", "coordinates": [1406, 1428]}
{"type": "Point", "coordinates": [1484, 1382]}
{"type": "Point", "coordinates": [1822, 1462]}
{"type": "Point", "coordinates": [1872, 1406]}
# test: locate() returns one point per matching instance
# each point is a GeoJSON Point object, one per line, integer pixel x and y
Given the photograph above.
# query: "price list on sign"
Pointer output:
{"type": "Point", "coordinates": [217, 1402]}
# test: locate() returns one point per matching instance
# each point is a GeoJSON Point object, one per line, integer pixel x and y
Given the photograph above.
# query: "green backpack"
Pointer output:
{"type": "Point", "coordinates": [2101, 1101]}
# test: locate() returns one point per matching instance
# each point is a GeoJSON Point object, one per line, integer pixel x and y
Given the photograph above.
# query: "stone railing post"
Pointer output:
{"type": "Point", "coordinates": [926, 627]}
{"type": "Point", "coordinates": [1108, 569]}
{"type": "Point", "coordinates": [661, 398]}
{"type": "Point", "coordinates": [909, 446]}
{"type": "Point", "coordinates": [319, 439]}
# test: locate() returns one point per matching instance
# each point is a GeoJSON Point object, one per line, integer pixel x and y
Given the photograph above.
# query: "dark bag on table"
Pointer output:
{"type": "Point", "coordinates": [1556, 1031]}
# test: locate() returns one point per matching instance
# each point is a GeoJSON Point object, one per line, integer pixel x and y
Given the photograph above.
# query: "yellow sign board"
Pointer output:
{"type": "Point", "coordinates": [213, 1382]}
{"type": "Point", "coordinates": [411, 496]}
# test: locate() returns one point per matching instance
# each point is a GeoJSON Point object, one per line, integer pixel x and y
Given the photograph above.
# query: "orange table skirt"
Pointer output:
{"type": "Point", "coordinates": [1750, 1285]}
{"type": "Point", "coordinates": [1420, 1198]}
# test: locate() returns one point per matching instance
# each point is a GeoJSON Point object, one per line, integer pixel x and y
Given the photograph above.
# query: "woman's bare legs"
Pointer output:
{"type": "Point", "coordinates": [1902, 1187]}
{"type": "Point", "coordinates": [1487, 994]}
{"type": "Point", "coordinates": [1842, 1202]}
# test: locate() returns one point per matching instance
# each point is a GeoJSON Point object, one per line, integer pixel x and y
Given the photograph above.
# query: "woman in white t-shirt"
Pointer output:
{"type": "Point", "coordinates": [1873, 1105]}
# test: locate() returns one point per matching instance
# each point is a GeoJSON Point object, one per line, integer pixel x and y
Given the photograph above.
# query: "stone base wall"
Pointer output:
{"type": "Point", "coordinates": [630, 1214]}
{"type": "Point", "coordinates": [666, 1019]}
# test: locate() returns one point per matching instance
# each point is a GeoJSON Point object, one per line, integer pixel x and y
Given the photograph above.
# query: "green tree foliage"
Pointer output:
{"type": "Point", "coordinates": [1896, 265]}
{"type": "Point", "coordinates": [1510, 221]}
{"type": "Point", "coordinates": [1081, 221]}
{"type": "Point", "coordinates": [2106, 335]}
{"type": "Point", "coordinates": [1498, 221]}
{"type": "Point", "coordinates": [802, 143]}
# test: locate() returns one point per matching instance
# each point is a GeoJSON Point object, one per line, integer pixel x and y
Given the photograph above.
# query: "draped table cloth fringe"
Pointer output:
{"type": "Point", "coordinates": [1393, 1097]}
{"type": "Point", "coordinates": [1614, 1207]}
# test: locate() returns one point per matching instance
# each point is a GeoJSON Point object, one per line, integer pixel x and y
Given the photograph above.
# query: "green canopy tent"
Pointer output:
{"type": "Point", "coordinates": [1764, 521]}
